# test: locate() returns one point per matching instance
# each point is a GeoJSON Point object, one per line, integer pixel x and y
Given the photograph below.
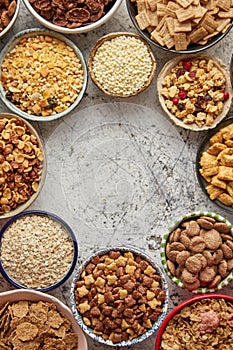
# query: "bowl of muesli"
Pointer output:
{"type": "Point", "coordinates": [119, 296]}
{"type": "Point", "coordinates": [38, 250]}
{"type": "Point", "coordinates": [181, 26]}
{"type": "Point", "coordinates": [197, 252]}
{"type": "Point", "coordinates": [203, 321]}
{"type": "Point", "coordinates": [36, 320]}
{"type": "Point", "coordinates": [43, 75]}
{"type": "Point", "coordinates": [195, 91]}
{"type": "Point", "coordinates": [8, 13]}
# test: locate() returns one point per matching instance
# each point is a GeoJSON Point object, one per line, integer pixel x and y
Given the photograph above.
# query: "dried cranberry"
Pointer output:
{"type": "Point", "coordinates": [192, 74]}
{"type": "Point", "coordinates": [200, 100]}
{"type": "Point", "coordinates": [207, 97]}
{"type": "Point", "coordinates": [175, 101]}
{"type": "Point", "coordinates": [182, 95]}
{"type": "Point", "coordinates": [180, 71]}
{"type": "Point", "coordinates": [226, 95]}
{"type": "Point", "coordinates": [9, 95]}
{"type": "Point", "coordinates": [180, 106]}
{"type": "Point", "coordinates": [187, 65]}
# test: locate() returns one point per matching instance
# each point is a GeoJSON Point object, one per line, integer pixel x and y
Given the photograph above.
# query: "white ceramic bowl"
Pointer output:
{"type": "Point", "coordinates": [31, 33]}
{"type": "Point", "coordinates": [110, 11]}
{"type": "Point", "coordinates": [29, 295]}
{"type": "Point", "coordinates": [13, 19]}
{"type": "Point", "coordinates": [97, 337]}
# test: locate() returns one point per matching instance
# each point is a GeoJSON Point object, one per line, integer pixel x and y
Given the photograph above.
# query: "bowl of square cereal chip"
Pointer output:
{"type": "Point", "coordinates": [195, 91]}
{"type": "Point", "coordinates": [214, 165]}
{"type": "Point", "coordinates": [38, 250]}
{"type": "Point", "coordinates": [22, 165]}
{"type": "Point", "coordinates": [43, 75]}
{"type": "Point", "coordinates": [181, 26]}
{"type": "Point", "coordinates": [8, 14]}
{"type": "Point", "coordinates": [35, 320]}
{"type": "Point", "coordinates": [201, 322]}
{"type": "Point", "coordinates": [119, 296]}
{"type": "Point", "coordinates": [197, 252]}
{"type": "Point", "coordinates": [72, 17]}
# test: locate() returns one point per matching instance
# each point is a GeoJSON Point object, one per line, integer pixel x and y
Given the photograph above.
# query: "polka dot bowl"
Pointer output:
{"type": "Point", "coordinates": [197, 241]}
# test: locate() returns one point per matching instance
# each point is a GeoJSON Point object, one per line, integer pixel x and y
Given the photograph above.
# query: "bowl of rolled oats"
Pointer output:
{"type": "Point", "coordinates": [72, 17]}
{"type": "Point", "coordinates": [43, 75]}
{"type": "Point", "coordinates": [8, 13]}
{"type": "Point", "coordinates": [181, 26]}
{"type": "Point", "coordinates": [119, 296]}
{"type": "Point", "coordinates": [38, 250]}
{"type": "Point", "coordinates": [197, 252]}
{"type": "Point", "coordinates": [202, 322]}
{"type": "Point", "coordinates": [35, 320]}
{"type": "Point", "coordinates": [195, 91]}
{"type": "Point", "coordinates": [22, 165]}
{"type": "Point", "coordinates": [122, 64]}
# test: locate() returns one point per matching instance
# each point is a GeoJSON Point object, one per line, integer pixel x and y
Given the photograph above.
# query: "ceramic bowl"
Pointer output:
{"type": "Point", "coordinates": [14, 11]}
{"type": "Point", "coordinates": [191, 48]}
{"type": "Point", "coordinates": [15, 296]}
{"type": "Point", "coordinates": [116, 85]}
{"type": "Point", "coordinates": [109, 10]}
{"type": "Point", "coordinates": [220, 196]}
{"type": "Point", "coordinates": [19, 200]}
{"type": "Point", "coordinates": [48, 93]}
{"type": "Point", "coordinates": [203, 313]}
{"type": "Point", "coordinates": [121, 252]}
{"type": "Point", "coordinates": [46, 237]}
{"type": "Point", "coordinates": [175, 104]}
{"type": "Point", "coordinates": [199, 266]}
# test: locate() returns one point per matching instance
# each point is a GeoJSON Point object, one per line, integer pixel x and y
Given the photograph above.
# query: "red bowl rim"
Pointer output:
{"type": "Point", "coordinates": [181, 306]}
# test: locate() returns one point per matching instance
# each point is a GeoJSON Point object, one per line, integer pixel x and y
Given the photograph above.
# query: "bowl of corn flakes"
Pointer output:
{"type": "Point", "coordinates": [195, 91]}
{"type": "Point", "coordinates": [22, 165]}
{"type": "Point", "coordinates": [198, 322]}
{"type": "Point", "coordinates": [8, 14]}
{"type": "Point", "coordinates": [119, 296]}
{"type": "Point", "coordinates": [37, 320]}
{"type": "Point", "coordinates": [197, 252]}
{"type": "Point", "coordinates": [43, 75]}
{"type": "Point", "coordinates": [181, 26]}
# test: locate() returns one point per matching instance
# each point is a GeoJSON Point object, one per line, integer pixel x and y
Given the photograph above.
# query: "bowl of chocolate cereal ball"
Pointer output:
{"type": "Point", "coordinates": [181, 26]}
{"type": "Point", "coordinates": [197, 252]}
{"type": "Point", "coordinates": [38, 250]}
{"type": "Point", "coordinates": [119, 296]}
{"type": "Point", "coordinates": [43, 75]}
{"type": "Point", "coordinates": [72, 17]}
{"type": "Point", "coordinates": [8, 13]}
{"type": "Point", "coordinates": [22, 165]}
{"type": "Point", "coordinates": [198, 322]}
{"type": "Point", "coordinates": [36, 320]}
{"type": "Point", "coordinates": [195, 91]}
{"type": "Point", "coordinates": [122, 64]}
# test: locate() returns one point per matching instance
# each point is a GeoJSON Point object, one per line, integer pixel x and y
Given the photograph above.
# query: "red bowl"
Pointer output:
{"type": "Point", "coordinates": [181, 306]}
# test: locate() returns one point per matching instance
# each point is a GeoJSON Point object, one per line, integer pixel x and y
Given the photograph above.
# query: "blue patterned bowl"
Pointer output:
{"type": "Point", "coordinates": [82, 321]}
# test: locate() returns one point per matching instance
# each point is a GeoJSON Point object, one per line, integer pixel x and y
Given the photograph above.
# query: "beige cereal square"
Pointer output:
{"type": "Point", "coordinates": [184, 3]}
{"type": "Point", "coordinates": [185, 14]}
{"type": "Point", "coordinates": [181, 42]}
{"type": "Point", "coordinates": [143, 20]}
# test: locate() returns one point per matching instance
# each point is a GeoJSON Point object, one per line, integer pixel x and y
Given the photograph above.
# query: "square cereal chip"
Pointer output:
{"type": "Point", "coordinates": [185, 14]}
{"type": "Point", "coordinates": [181, 42]}
{"type": "Point", "coordinates": [184, 3]}
{"type": "Point", "coordinates": [143, 20]}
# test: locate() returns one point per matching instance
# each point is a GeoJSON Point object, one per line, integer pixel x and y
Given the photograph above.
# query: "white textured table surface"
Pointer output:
{"type": "Point", "coordinates": [119, 172]}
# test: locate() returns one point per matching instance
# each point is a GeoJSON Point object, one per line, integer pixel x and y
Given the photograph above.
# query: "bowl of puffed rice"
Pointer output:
{"type": "Point", "coordinates": [197, 252]}
{"type": "Point", "coordinates": [195, 91]}
{"type": "Point", "coordinates": [183, 27]}
{"type": "Point", "coordinates": [8, 14]}
{"type": "Point", "coordinates": [38, 250]}
{"type": "Point", "coordinates": [22, 165]}
{"type": "Point", "coordinates": [198, 322]}
{"type": "Point", "coordinates": [119, 296]}
{"type": "Point", "coordinates": [72, 17]}
{"type": "Point", "coordinates": [122, 64]}
{"type": "Point", "coordinates": [43, 75]}
{"type": "Point", "coordinates": [38, 320]}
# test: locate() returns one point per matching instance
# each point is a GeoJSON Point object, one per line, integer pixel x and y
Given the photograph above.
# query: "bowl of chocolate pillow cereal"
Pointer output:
{"type": "Point", "coordinates": [119, 296]}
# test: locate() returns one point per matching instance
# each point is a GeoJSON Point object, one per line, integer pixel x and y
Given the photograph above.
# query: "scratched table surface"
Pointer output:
{"type": "Point", "coordinates": [118, 171]}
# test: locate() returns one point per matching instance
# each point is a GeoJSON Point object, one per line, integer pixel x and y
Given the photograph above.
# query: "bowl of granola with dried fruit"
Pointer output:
{"type": "Point", "coordinates": [22, 165]}
{"type": "Point", "coordinates": [119, 296]}
{"type": "Point", "coordinates": [181, 26]}
{"type": "Point", "coordinates": [9, 10]}
{"type": "Point", "coordinates": [214, 165]}
{"type": "Point", "coordinates": [195, 91]}
{"type": "Point", "coordinates": [38, 250]}
{"type": "Point", "coordinates": [72, 17]}
{"type": "Point", "coordinates": [197, 252]}
{"type": "Point", "coordinates": [36, 320]}
{"type": "Point", "coordinates": [43, 75]}
{"type": "Point", "coordinates": [203, 321]}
